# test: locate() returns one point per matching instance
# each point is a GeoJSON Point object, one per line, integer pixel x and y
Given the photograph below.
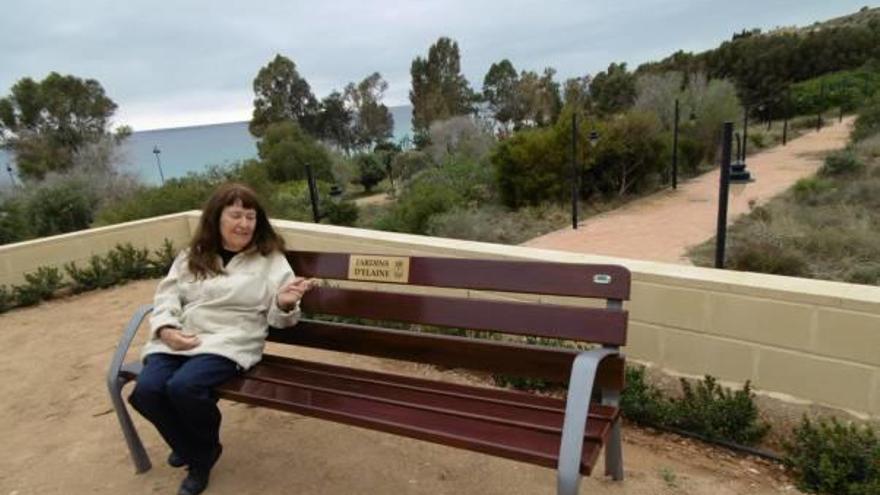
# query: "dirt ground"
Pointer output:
{"type": "Point", "coordinates": [662, 226]}
{"type": "Point", "coordinates": [60, 436]}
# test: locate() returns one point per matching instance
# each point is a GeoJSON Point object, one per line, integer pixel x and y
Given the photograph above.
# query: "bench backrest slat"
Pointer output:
{"type": "Point", "coordinates": [548, 363]}
{"type": "Point", "coordinates": [563, 279]}
{"type": "Point", "coordinates": [542, 320]}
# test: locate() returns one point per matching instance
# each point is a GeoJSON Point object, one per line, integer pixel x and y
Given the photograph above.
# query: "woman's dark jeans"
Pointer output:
{"type": "Point", "coordinates": [176, 394]}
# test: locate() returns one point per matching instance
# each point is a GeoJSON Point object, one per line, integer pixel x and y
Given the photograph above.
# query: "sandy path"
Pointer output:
{"type": "Point", "coordinates": [60, 436]}
{"type": "Point", "coordinates": [662, 226]}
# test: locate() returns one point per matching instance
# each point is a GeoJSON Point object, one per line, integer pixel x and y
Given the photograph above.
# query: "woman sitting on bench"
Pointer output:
{"type": "Point", "coordinates": [210, 322]}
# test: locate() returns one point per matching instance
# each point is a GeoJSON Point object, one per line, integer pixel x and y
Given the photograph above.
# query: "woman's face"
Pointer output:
{"type": "Point", "coordinates": [237, 226]}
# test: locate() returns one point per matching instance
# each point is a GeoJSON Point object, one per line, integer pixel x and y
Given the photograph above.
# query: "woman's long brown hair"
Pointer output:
{"type": "Point", "coordinates": [204, 249]}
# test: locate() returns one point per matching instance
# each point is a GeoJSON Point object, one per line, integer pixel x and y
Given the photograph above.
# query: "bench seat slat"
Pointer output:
{"type": "Point", "coordinates": [450, 427]}
{"type": "Point", "coordinates": [562, 279]}
{"type": "Point", "coordinates": [425, 395]}
{"type": "Point", "coordinates": [551, 321]}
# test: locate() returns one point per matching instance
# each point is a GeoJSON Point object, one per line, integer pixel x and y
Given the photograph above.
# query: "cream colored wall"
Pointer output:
{"type": "Point", "coordinates": [25, 257]}
{"type": "Point", "coordinates": [799, 339]}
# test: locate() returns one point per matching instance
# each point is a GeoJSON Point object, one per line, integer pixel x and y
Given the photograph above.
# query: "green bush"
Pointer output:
{"type": "Point", "coordinates": [641, 401]}
{"type": "Point", "coordinates": [834, 459]}
{"type": "Point", "coordinates": [810, 189]}
{"type": "Point", "coordinates": [285, 150]}
{"type": "Point", "coordinates": [842, 162]}
{"type": "Point", "coordinates": [14, 225]}
{"type": "Point", "coordinates": [494, 223]}
{"type": "Point", "coordinates": [7, 299]}
{"type": "Point", "coordinates": [187, 193]}
{"type": "Point", "coordinates": [44, 282]}
{"type": "Point", "coordinates": [97, 275]}
{"type": "Point", "coordinates": [761, 256]}
{"type": "Point", "coordinates": [438, 191]}
{"type": "Point", "coordinates": [532, 167]}
{"type": "Point", "coordinates": [162, 260]}
{"type": "Point", "coordinates": [340, 213]}
{"type": "Point", "coordinates": [371, 171]}
{"type": "Point", "coordinates": [717, 413]}
{"type": "Point", "coordinates": [126, 262]}
{"type": "Point", "coordinates": [868, 121]}
{"type": "Point", "coordinates": [867, 273]}
{"type": "Point", "coordinates": [64, 206]}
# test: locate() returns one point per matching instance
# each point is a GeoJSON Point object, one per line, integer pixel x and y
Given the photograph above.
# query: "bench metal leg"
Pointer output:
{"type": "Point", "coordinates": [614, 447]}
{"type": "Point", "coordinates": [132, 439]}
{"type": "Point", "coordinates": [115, 383]}
{"type": "Point", "coordinates": [577, 404]}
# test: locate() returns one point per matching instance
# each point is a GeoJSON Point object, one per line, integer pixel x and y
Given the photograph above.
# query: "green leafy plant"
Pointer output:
{"type": "Point", "coordinates": [126, 262]}
{"type": "Point", "coordinates": [832, 458]}
{"type": "Point", "coordinates": [96, 275]}
{"type": "Point", "coordinates": [44, 282]}
{"type": "Point", "coordinates": [641, 401]}
{"type": "Point", "coordinates": [7, 300]}
{"type": "Point", "coordinates": [163, 258]}
{"type": "Point", "coordinates": [717, 413]}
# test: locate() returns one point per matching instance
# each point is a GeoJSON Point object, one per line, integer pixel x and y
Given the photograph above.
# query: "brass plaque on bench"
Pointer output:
{"type": "Point", "coordinates": [394, 269]}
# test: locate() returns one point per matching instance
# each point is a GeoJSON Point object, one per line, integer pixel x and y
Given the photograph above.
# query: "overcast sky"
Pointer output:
{"type": "Point", "coordinates": [170, 64]}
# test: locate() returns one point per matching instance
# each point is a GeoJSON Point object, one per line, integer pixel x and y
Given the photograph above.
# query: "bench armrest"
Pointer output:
{"type": "Point", "coordinates": [577, 404]}
{"type": "Point", "coordinates": [125, 343]}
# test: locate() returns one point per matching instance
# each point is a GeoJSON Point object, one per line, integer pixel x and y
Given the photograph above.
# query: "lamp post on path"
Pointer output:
{"type": "Point", "coordinates": [675, 149]}
{"type": "Point", "coordinates": [731, 173]}
{"type": "Point", "coordinates": [156, 152]}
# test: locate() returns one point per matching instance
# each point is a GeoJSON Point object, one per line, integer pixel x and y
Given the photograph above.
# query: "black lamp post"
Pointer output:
{"type": "Point", "coordinates": [675, 148]}
{"type": "Point", "coordinates": [574, 172]}
{"type": "Point", "coordinates": [11, 174]}
{"type": "Point", "coordinates": [731, 173]}
{"type": "Point", "coordinates": [156, 152]}
{"type": "Point", "coordinates": [745, 132]}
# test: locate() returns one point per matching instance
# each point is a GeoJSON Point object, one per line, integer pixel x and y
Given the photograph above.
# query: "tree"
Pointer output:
{"type": "Point", "coordinates": [499, 91]}
{"type": "Point", "coordinates": [371, 170]}
{"type": "Point", "coordinates": [613, 90]}
{"type": "Point", "coordinates": [439, 90]}
{"type": "Point", "coordinates": [334, 122]}
{"type": "Point", "coordinates": [46, 123]}
{"type": "Point", "coordinates": [286, 150]}
{"type": "Point", "coordinates": [373, 122]}
{"type": "Point", "coordinates": [576, 92]}
{"type": "Point", "coordinates": [282, 95]}
{"type": "Point", "coordinates": [538, 99]}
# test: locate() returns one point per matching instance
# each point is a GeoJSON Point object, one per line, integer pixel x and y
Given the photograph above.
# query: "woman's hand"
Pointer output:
{"type": "Point", "coordinates": [175, 339]}
{"type": "Point", "coordinates": [290, 293]}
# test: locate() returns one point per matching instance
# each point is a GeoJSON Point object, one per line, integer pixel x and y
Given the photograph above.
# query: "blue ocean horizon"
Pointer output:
{"type": "Point", "coordinates": [183, 150]}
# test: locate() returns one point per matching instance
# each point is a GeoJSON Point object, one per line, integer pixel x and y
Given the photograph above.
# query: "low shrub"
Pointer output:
{"type": "Point", "coordinates": [641, 401]}
{"type": "Point", "coordinates": [7, 299]}
{"type": "Point", "coordinates": [341, 213]}
{"type": "Point", "coordinates": [126, 262]}
{"type": "Point", "coordinates": [832, 458]}
{"type": "Point", "coordinates": [162, 259]}
{"type": "Point", "coordinates": [842, 162]}
{"type": "Point", "coordinates": [97, 275]}
{"type": "Point", "coordinates": [717, 413]}
{"type": "Point", "coordinates": [44, 282]}
{"type": "Point", "coordinates": [809, 189]}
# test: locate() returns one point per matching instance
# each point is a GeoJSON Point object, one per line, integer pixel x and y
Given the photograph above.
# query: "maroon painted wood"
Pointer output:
{"type": "Point", "coordinates": [506, 358]}
{"type": "Point", "coordinates": [524, 432]}
{"type": "Point", "coordinates": [532, 277]}
{"type": "Point", "coordinates": [544, 320]}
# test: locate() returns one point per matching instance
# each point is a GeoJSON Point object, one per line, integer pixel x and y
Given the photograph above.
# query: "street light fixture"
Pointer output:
{"type": "Point", "coordinates": [731, 174]}
{"type": "Point", "coordinates": [156, 152]}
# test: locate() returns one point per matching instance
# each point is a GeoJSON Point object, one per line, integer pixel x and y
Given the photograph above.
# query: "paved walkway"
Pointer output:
{"type": "Point", "coordinates": [662, 226]}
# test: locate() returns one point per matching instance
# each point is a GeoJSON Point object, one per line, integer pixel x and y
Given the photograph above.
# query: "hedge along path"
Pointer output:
{"type": "Point", "coordinates": [662, 226]}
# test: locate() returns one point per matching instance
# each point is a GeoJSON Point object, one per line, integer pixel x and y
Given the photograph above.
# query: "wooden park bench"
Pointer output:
{"type": "Point", "coordinates": [564, 434]}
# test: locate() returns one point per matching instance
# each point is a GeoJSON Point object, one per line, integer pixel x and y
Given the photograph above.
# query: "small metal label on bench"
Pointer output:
{"type": "Point", "coordinates": [394, 269]}
{"type": "Point", "coordinates": [602, 278]}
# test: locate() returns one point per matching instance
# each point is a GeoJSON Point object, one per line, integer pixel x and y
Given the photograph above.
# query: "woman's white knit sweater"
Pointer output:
{"type": "Point", "coordinates": [230, 312]}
